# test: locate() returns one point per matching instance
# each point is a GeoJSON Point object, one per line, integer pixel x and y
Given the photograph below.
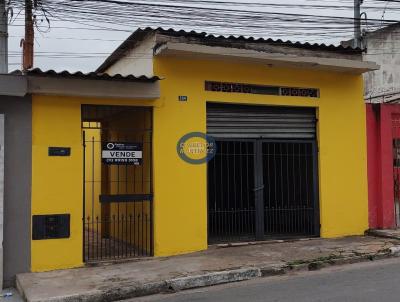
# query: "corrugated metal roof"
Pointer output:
{"type": "Point", "coordinates": [85, 76]}
{"type": "Point", "coordinates": [136, 37]}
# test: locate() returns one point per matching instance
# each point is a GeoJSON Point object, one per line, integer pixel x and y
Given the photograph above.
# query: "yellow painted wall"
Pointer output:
{"type": "Point", "coordinates": [57, 181]}
{"type": "Point", "coordinates": [180, 207]}
{"type": "Point", "coordinates": [180, 192]}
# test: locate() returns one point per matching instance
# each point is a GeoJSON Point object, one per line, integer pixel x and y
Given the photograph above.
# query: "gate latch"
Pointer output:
{"type": "Point", "coordinates": [259, 188]}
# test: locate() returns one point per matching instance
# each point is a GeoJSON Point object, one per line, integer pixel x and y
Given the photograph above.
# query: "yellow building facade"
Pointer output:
{"type": "Point", "coordinates": [179, 189]}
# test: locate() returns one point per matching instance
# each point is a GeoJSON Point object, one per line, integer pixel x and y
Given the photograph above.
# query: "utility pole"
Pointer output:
{"type": "Point", "coordinates": [27, 42]}
{"type": "Point", "coordinates": [357, 23]}
{"type": "Point", "coordinates": [3, 37]}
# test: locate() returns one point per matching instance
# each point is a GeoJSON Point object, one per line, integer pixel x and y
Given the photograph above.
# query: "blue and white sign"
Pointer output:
{"type": "Point", "coordinates": [120, 153]}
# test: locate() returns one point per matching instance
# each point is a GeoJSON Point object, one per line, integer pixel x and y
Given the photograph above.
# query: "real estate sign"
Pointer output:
{"type": "Point", "coordinates": [122, 153]}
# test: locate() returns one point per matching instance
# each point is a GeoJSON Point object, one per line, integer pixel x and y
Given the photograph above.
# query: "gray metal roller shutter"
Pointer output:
{"type": "Point", "coordinates": [246, 121]}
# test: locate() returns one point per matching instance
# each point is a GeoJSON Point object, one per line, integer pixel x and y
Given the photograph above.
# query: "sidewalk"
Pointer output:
{"type": "Point", "coordinates": [215, 266]}
{"type": "Point", "coordinates": [387, 233]}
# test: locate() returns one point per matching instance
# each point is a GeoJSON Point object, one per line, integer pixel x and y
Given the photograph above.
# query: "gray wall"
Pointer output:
{"type": "Point", "coordinates": [1, 194]}
{"type": "Point", "coordinates": [383, 48]}
{"type": "Point", "coordinates": [17, 186]}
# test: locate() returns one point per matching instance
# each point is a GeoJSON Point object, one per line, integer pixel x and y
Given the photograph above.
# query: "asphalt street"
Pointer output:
{"type": "Point", "coordinates": [373, 281]}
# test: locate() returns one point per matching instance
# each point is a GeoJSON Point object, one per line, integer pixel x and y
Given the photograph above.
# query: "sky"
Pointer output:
{"type": "Point", "coordinates": [82, 45]}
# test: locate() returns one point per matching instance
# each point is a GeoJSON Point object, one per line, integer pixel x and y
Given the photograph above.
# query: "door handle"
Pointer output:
{"type": "Point", "coordinates": [259, 188]}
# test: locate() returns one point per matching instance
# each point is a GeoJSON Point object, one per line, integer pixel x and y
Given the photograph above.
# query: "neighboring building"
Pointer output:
{"type": "Point", "coordinates": [16, 147]}
{"type": "Point", "coordinates": [118, 162]}
{"type": "Point", "coordinates": [383, 129]}
{"type": "Point", "coordinates": [43, 110]}
{"type": "Point", "coordinates": [382, 95]}
{"type": "Point", "coordinates": [382, 46]}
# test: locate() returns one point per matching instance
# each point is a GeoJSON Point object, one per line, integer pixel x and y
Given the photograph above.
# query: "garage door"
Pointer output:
{"type": "Point", "coordinates": [230, 121]}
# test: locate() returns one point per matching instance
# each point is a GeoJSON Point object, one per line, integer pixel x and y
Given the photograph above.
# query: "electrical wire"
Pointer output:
{"type": "Point", "coordinates": [243, 18]}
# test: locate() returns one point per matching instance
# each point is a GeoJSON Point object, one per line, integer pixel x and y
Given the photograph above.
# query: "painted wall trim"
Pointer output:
{"type": "Point", "coordinates": [275, 59]}
{"type": "Point", "coordinates": [13, 85]}
{"type": "Point", "coordinates": [21, 85]}
{"type": "Point", "coordinates": [94, 88]}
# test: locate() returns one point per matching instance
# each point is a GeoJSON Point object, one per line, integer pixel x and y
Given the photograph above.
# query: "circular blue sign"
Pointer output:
{"type": "Point", "coordinates": [195, 143]}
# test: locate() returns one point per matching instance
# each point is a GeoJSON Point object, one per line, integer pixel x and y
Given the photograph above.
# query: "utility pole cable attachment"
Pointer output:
{"type": "Point", "coordinates": [357, 24]}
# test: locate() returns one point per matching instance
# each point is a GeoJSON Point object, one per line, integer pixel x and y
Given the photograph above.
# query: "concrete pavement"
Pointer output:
{"type": "Point", "coordinates": [217, 265]}
{"type": "Point", "coordinates": [366, 282]}
{"type": "Point", "coordinates": [387, 233]}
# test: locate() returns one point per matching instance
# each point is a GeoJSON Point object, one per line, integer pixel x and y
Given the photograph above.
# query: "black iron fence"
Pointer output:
{"type": "Point", "coordinates": [259, 189]}
{"type": "Point", "coordinates": [294, 221]}
{"type": "Point", "coordinates": [289, 177]}
{"type": "Point", "coordinates": [231, 225]}
{"type": "Point", "coordinates": [231, 206]}
{"type": "Point", "coordinates": [118, 236]}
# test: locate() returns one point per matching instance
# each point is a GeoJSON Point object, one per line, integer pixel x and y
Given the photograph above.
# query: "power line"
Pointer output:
{"type": "Point", "coordinates": [104, 15]}
{"type": "Point", "coordinates": [114, 16]}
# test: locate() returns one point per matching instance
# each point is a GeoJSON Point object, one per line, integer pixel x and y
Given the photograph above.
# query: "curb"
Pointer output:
{"type": "Point", "coordinates": [381, 234]}
{"type": "Point", "coordinates": [213, 279]}
{"type": "Point", "coordinates": [133, 290]}
{"type": "Point", "coordinates": [265, 242]}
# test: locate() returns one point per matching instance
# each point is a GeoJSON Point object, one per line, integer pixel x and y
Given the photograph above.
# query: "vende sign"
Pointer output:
{"type": "Point", "coordinates": [118, 153]}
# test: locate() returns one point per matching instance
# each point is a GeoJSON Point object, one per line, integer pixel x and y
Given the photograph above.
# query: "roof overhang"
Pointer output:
{"type": "Point", "coordinates": [242, 42]}
{"type": "Point", "coordinates": [20, 85]}
{"type": "Point", "coordinates": [196, 51]}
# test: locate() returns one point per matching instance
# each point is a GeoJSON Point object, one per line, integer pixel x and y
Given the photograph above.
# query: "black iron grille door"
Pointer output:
{"type": "Point", "coordinates": [117, 188]}
{"type": "Point", "coordinates": [231, 207]}
{"type": "Point", "coordinates": [289, 177]}
{"type": "Point", "coordinates": [263, 181]}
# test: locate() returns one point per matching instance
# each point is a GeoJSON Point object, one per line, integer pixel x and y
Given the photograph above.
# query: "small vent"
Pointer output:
{"type": "Point", "coordinates": [261, 89]}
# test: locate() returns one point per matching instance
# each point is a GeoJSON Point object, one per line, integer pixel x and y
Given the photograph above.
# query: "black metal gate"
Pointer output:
{"type": "Point", "coordinates": [117, 193]}
{"type": "Point", "coordinates": [261, 188]}
{"type": "Point", "coordinates": [289, 174]}
{"type": "Point", "coordinates": [231, 203]}
{"type": "Point", "coordinates": [263, 180]}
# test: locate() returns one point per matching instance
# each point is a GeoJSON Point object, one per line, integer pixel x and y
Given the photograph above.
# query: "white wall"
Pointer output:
{"type": "Point", "coordinates": [383, 47]}
{"type": "Point", "coordinates": [137, 62]}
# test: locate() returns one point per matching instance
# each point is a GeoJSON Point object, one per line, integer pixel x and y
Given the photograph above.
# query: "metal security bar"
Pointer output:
{"type": "Point", "coordinates": [117, 194]}
{"type": "Point", "coordinates": [289, 176]}
{"type": "Point", "coordinates": [130, 235]}
{"type": "Point", "coordinates": [261, 189]}
{"type": "Point", "coordinates": [231, 207]}
{"type": "Point", "coordinates": [239, 122]}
